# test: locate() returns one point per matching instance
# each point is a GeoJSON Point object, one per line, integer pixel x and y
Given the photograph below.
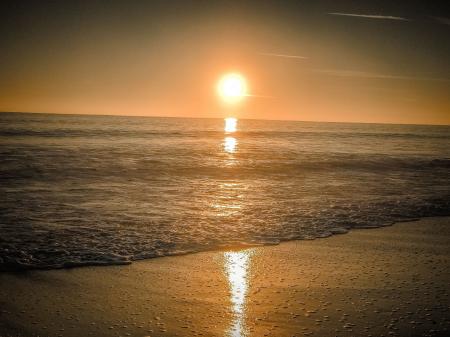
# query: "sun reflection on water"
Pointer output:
{"type": "Point", "coordinates": [230, 124]}
{"type": "Point", "coordinates": [236, 267]}
{"type": "Point", "coordinates": [229, 144]}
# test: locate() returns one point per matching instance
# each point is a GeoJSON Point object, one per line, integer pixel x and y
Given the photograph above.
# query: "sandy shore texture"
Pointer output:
{"type": "Point", "coordinates": [392, 281]}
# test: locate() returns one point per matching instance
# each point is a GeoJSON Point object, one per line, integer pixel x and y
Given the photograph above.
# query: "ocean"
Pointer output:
{"type": "Point", "coordinates": [93, 190]}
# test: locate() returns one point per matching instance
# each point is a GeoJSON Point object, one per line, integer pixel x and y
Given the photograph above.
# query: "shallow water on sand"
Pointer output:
{"type": "Point", "coordinates": [79, 190]}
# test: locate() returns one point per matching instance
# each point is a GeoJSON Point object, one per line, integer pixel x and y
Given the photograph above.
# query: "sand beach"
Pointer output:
{"type": "Point", "coordinates": [391, 281]}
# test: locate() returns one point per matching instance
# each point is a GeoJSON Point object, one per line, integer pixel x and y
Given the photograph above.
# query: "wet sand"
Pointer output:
{"type": "Point", "coordinates": [391, 281]}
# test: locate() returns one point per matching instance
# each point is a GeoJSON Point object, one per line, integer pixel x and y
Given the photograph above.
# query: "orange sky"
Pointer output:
{"type": "Point", "coordinates": [151, 59]}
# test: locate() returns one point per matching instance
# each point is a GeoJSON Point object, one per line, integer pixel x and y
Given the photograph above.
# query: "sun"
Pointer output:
{"type": "Point", "coordinates": [232, 88]}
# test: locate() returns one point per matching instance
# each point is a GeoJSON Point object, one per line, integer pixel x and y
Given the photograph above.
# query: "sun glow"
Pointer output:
{"type": "Point", "coordinates": [232, 88]}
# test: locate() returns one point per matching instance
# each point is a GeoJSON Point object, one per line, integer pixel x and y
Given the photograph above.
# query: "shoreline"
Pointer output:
{"type": "Point", "coordinates": [389, 280]}
{"type": "Point", "coordinates": [76, 265]}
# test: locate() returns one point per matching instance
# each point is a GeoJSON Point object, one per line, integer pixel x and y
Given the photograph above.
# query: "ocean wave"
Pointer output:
{"type": "Point", "coordinates": [64, 245]}
{"type": "Point", "coordinates": [86, 190]}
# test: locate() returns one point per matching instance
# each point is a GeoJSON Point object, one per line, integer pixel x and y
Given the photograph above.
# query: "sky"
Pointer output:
{"type": "Point", "coordinates": [340, 61]}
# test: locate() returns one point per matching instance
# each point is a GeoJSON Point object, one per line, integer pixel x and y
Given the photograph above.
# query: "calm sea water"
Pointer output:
{"type": "Point", "coordinates": [79, 190]}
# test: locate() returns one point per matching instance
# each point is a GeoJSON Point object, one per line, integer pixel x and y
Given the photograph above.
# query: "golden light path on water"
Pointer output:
{"type": "Point", "coordinates": [236, 264]}
{"type": "Point", "coordinates": [237, 269]}
{"type": "Point", "coordinates": [230, 124]}
{"type": "Point", "coordinates": [229, 144]}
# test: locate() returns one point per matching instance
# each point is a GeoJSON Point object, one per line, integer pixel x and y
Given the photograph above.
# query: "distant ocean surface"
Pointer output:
{"type": "Point", "coordinates": [93, 190]}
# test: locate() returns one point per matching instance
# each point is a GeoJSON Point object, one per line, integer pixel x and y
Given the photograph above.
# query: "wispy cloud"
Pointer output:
{"type": "Point", "coordinates": [369, 16]}
{"type": "Point", "coordinates": [259, 96]}
{"type": "Point", "coordinates": [283, 55]}
{"type": "Point", "coordinates": [444, 21]}
{"type": "Point", "coordinates": [363, 74]}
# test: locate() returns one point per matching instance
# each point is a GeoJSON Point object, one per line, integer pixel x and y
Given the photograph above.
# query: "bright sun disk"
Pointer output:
{"type": "Point", "coordinates": [232, 88]}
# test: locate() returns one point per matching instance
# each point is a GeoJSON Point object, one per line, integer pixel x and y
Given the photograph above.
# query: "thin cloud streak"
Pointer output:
{"type": "Point", "coordinates": [444, 21]}
{"type": "Point", "coordinates": [362, 74]}
{"type": "Point", "coordinates": [259, 96]}
{"type": "Point", "coordinates": [284, 56]}
{"type": "Point", "coordinates": [367, 16]}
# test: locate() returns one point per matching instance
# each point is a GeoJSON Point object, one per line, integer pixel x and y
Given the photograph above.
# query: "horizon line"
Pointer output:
{"type": "Point", "coordinates": [187, 117]}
